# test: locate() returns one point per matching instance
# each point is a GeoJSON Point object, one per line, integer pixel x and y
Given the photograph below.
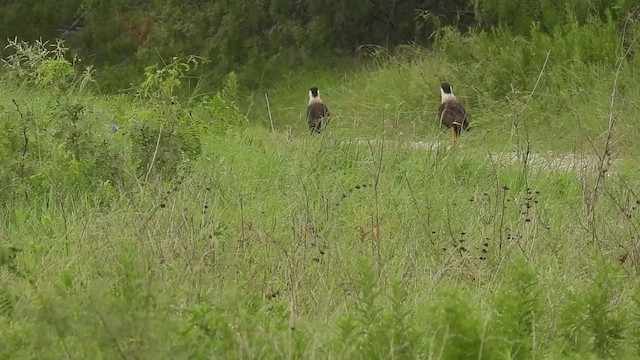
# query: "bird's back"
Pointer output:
{"type": "Point", "coordinates": [317, 112]}
{"type": "Point", "coordinates": [453, 113]}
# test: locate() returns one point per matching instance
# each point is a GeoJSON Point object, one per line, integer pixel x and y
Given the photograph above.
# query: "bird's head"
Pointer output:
{"type": "Point", "coordinates": [446, 92]}
{"type": "Point", "coordinates": [314, 95]}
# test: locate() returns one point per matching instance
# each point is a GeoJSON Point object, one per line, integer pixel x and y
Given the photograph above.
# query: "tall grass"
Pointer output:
{"type": "Point", "coordinates": [261, 244]}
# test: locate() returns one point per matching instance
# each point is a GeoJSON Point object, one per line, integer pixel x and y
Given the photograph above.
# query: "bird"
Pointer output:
{"type": "Point", "coordinates": [451, 112]}
{"type": "Point", "coordinates": [317, 111]}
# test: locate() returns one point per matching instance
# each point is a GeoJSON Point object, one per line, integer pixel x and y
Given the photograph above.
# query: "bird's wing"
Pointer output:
{"type": "Point", "coordinates": [452, 112]}
{"type": "Point", "coordinates": [461, 114]}
{"type": "Point", "coordinates": [458, 109]}
{"type": "Point", "coordinates": [315, 112]}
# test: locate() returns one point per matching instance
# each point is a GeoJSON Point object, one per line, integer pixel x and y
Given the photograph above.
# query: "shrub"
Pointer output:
{"type": "Point", "coordinates": [45, 64]}
{"type": "Point", "coordinates": [518, 307]}
{"type": "Point", "coordinates": [590, 322]}
{"type": "Point", "coordinates": [168, 135]}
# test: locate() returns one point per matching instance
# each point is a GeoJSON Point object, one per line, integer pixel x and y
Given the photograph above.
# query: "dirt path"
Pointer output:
{"type": "Point", "coordinates": [549, 161]}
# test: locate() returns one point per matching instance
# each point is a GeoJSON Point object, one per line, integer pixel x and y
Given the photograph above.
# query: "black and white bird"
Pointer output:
{"type": "Point", "coordinates": [317, 111]}
{"type": "Point", "coordinates": [451, 112]}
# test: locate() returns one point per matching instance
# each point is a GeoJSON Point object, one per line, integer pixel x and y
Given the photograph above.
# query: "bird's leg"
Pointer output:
{"type": "Point", "coordinates": [454, 137]}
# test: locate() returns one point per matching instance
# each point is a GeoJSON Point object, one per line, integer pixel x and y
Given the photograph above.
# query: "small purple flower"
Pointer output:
{"type": "Point", "coordinates": [112, 128]}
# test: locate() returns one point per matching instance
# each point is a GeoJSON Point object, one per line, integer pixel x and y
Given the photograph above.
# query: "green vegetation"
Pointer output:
{"type": "Point", "coordinates": [261, 40]}
{"type": "Point", "coordinates": [167, 221]}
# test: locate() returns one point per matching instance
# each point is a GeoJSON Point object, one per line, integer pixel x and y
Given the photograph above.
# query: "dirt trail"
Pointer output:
{"type": "Point", "coordinates": [549, 161]}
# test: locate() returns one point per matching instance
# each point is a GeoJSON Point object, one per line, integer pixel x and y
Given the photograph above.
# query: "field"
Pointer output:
{"type": "Point", "coordinates": [213, 226]}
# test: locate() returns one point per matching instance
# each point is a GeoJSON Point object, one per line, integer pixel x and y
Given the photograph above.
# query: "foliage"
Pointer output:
{"type": "Point", "coordinates": [520, 309]}
{"type": "Point", "coordinates": [224, 264]}
{"type": "Point", "coordinates": [67, 140]}
{"type": "Point", "coordinates": [517, 17]}
{"type": "Point", "coordinates": [379, 325]}
{"type": "Point", "coordinates": [152, 223]}
{"type": "Point", "coordinates": [161, 83]}
{"type": "Point", "coordinates": [261, 40]}
{"type": "Point", "coordinates": [255, 39]}
{"type": "Point", "coordinates": [45, 65]}
{"type": "Point", "coordinates": [590, 323]}
{"type": "Point", "coordinates": [458, 333]}
{"type": "Point", "coordinates": [222, 108]}
{"type": "Point", "coordinates": [168, 136]}
{"type": "Point", "coordinates": [514, 62]}
{"type": "Point", "coordinates": [35, 19]}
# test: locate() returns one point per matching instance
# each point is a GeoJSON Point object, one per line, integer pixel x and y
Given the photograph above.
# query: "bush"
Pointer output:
{"type": "Point", "coordinates": [591, 322]}
{"type": "Point", "coordinates": [519, 309]}
{"type": "Point", "coordinates": [167, 135]}
{"type": "Point", "coordinates": [45, 65]}
{"type": "Point", "coordinates": [500, 62]}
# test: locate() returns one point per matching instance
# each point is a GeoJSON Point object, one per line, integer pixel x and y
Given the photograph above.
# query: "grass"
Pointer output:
{"type": "Point", "coordinates": [267, 245]}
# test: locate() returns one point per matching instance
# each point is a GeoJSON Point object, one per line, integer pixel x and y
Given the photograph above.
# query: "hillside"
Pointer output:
{"type": "Point", "coordinates": [196, 230]}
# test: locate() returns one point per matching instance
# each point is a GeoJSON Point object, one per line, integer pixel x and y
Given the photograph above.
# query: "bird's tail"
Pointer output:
{"type": "Point", "coordinates": [457, 128]}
